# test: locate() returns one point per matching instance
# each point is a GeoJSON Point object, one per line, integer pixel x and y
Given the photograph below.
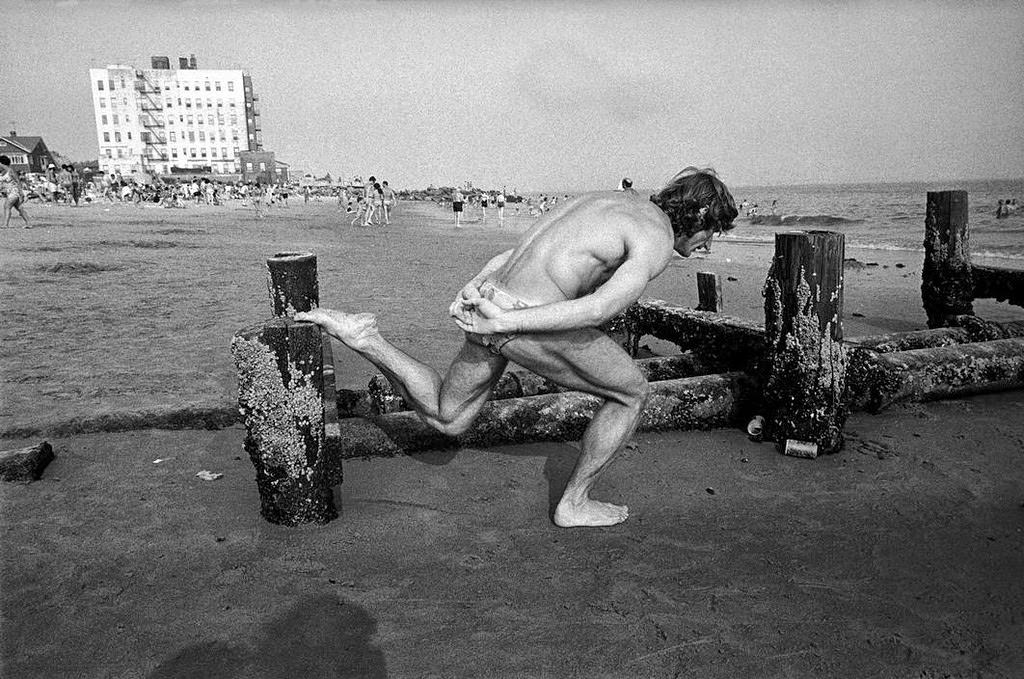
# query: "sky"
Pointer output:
{"type": "Point", "coordinates": [563, 95]}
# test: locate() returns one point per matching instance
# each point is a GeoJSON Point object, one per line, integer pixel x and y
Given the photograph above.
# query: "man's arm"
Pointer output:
{"type": "Point", "coordinates": [612, 298]}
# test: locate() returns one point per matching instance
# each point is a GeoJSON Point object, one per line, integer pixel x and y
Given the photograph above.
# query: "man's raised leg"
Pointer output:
{"type": "Point", "coordinates": [448, 404]}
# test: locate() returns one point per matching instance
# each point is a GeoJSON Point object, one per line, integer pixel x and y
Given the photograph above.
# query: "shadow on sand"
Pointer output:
{"type": "Point", "coordinates": [319, 636]}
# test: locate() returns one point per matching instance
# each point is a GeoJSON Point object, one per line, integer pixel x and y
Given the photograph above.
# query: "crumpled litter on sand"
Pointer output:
{"type": "Point", "coordinates": [160, 459]}
{"type": "Point", "coordinates": [209, 476]}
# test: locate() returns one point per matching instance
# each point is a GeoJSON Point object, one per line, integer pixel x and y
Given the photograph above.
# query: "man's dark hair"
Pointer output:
{"type": "Point", "coordinates": [688, 193]}
{"type": "Point", "coordinates": [627, 183]}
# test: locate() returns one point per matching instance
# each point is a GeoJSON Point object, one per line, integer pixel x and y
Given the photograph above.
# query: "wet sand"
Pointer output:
{"type": "Point", "coordinates": [899, 556]}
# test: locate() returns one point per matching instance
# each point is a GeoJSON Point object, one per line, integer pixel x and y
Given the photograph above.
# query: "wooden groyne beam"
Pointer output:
{"type": "Point", "coordinates": [718, 342]}
{"type": "Point", "coordinates": [938, 337]}
{"type": "Point", "coordinates": [1003, 285]}
{"type": "Point", "coordinates": [703, 402]}
{"type": "Point", "coordinates": [935, 373]}
{"type": "Point", "coordinates": [380, 397]}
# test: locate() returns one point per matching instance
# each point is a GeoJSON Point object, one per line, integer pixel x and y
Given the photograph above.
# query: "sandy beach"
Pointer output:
{"type": "Point", "coordinates": [899, 556]}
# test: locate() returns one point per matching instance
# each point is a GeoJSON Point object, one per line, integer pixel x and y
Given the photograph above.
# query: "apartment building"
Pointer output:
{"type": "Point", "coordinates": [166, 120]}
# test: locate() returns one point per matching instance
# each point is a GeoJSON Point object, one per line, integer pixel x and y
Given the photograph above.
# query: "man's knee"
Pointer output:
{"type": "Point", "coordinates": [635, 392]}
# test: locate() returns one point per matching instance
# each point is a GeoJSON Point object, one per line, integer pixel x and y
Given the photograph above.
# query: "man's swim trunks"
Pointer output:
{"type": "Point", "coordinates": [497, 341]}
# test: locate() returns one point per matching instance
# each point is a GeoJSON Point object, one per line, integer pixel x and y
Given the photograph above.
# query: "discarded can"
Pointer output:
{"type": "Point", "coordinates": [756, 428]}
{"type": "Point", "coordinates": [803, 449]}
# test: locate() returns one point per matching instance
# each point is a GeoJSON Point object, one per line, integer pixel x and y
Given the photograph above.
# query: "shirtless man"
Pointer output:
{"type": "Point", "coordinates": [540, 305]}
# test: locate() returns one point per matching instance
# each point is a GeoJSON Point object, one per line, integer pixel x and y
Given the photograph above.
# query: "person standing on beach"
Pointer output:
{"type": "Point", "coordinates": [540, 304]}
{"type": "Point", "coordinates": [500, 203]}
{"type": "Point", "coordinates": [390, 201]}
{"type": "Point", "coordinates": [256, 194]}
{"type": "Point", "coordinates": [457, 200]}
{"type": "Point", "coordinates": [483, 207]}
{"type": "Point", "coordinates": [11, 192]}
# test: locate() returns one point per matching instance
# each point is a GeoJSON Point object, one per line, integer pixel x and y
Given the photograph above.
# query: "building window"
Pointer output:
{"type": "Point", "coordinates": [99, 85]}
{"type": "Point", "coordinates": [191, 135]}
{"type": "Point", "coordinates": [231, 86]}
{"type": "Point", "coordinates": [170, 103]}
{"type": "Point", "coordinates": [122, 83]}
{"type": "Point", "coordinates": [207, 85]}
{"type": "Point", "coordinates": [174, 153]}
{"type": "Point", "coordinates": [111, 83]}
{"type": "Point", "coordinates": [115, 118]}
{"type": "Point", "coordinates": [234, 151]}
{"type": "Point", "coordinates": [209, 119]}
{"type": "Point", "coordinates": [199, 103]}
{"type": "Point", "coordinates": [120, 153]}
{"type": "Point", "coordinates": [199, 120]}
{"type": "Point", "coordinates": [223, 137]}
{"type": "Point", "coordinates": [106, 136]}
{"type": "Point", "coordinates": [190, 120]}
{"type": "Point", "coordinates": [117, 136]}
{"type": "Point", "coordinates": [103, 102]}
{"type": "Point", "coordinates": [234, 135]}
{"type": "Point", "coordinates": [248, 167]}
{"type": "Point", "coordinates": [129, 135]}
{"type": "Point", "coordinates": [263, 167]}
{"type": "Point", "coordinates": [192, 152]}
{"type": "Point", "coordinates": [217, 85]}
{"type": "Point", "coordinates": [188, 103]}
{"type": "Point", "coordinates": [174, 137]}
{"type": "Point", "coordinates": [233, 119]}
{"type": "Point", "coordinates": [213, 152]}
{"type": "Point", "coordinates": [232, 104]}
{"type": "Point", "coordinates": [110, 153]}
{"type": "Point", "coordinates": [202, 136]}
{"type": "Point", "coordinates": [186, 88]}
{"type": "Point", "coordinates": [202, 152]}
{"type": "Point", "coordinates": [103, 118]}
{"type": "Point", "coordinates": [224, 151]}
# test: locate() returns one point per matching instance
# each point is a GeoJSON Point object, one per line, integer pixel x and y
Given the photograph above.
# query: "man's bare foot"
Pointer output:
{"type": "Point", "coordinates": [357, 331]}
{"type": "Point", "coordinates": [589, 513]}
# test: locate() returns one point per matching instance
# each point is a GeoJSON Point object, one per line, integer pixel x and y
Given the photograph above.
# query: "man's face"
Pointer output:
{"type": "Point", "coordinates": [684, 244]}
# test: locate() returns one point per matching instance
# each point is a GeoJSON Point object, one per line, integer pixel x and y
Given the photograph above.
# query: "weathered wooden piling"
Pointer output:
{"type": "Point", "coordinates": [805, 362]}
{"type": "Point", "coordinates": [709, 292]}
{"type": "Point", "coordinates": [292, 282]}
{"type": "Point", "coordinates": [280, 396]}
{"type": "Point", "coordinates": [947, 285]}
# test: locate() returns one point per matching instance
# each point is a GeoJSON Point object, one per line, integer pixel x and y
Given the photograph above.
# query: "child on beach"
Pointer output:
{"type": "Point", "coordinates": [540, 304]}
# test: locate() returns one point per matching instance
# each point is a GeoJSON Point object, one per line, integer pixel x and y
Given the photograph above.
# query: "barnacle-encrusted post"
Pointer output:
{"type": "Point", "coordinates": [280, 395]}
{"type": "Point", "coordinates": [947, 283]}
{"type": "Point", "coordinates": [806, 358]}
{"type": "Point", "coordinates": [292, 282]}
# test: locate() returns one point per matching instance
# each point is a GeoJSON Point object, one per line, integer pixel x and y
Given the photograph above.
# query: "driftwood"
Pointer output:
{"type": "Point", "coordinates": [689, 403]}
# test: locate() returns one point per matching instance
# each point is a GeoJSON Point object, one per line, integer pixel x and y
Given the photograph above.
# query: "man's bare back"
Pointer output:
{"type": "Point", "coordinates": [575, 248]}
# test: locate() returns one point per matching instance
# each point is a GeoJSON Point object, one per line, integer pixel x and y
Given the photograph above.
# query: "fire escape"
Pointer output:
{"type": "Point", "coordinates": [154, 136]}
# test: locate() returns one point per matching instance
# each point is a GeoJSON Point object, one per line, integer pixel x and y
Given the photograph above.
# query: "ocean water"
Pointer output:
{"type": "Point", "coordinates": [886, 216]}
